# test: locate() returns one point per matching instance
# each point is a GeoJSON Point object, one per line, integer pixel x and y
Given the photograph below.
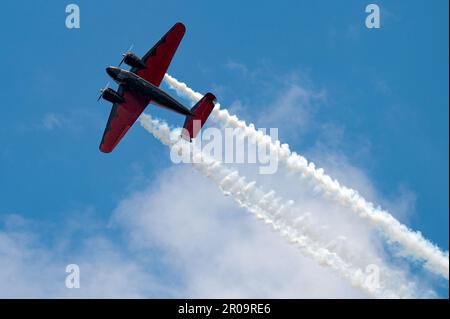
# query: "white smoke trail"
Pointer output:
{"type": "Point", "coordinates": [413, 243]}
{"type": "Point", "coordinates": [275, 212]}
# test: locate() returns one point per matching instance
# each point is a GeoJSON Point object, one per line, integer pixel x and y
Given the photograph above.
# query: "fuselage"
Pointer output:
{"type": "Point", "coordinates": [135, 83]}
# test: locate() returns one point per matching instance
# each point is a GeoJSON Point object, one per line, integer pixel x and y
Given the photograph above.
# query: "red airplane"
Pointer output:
{"type": "Point", "coordinates": [140, 86]}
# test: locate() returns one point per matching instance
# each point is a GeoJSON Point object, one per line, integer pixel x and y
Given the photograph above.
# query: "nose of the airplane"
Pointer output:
{"type": "Point", "coordinates": [112, 71]}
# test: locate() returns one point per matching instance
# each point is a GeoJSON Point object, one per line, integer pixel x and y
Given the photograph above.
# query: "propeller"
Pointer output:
{"type": "Point", "coordinates": [125, 54]}
{"type": "Point", "coordinates": [103, 90]}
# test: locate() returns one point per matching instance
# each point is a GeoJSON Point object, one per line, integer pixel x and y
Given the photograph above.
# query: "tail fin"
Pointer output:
{"type": "Point", "coordinates": [201, 112]}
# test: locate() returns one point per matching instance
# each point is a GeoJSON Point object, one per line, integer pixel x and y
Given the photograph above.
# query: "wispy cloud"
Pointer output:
{"type": "Point", "coordinates": [311, 238]}
{"type": "Point", "coordinates": [51, 121]}
{"type": "Point", "coordinates": [73, 121]}
{"type": "Point", "coordinates": [216, 249]}
{"type": "Point", "coordinates": [207, 245]}
{"type": "Point", "coordinates": [412, 243]}
{"type": "Point", "coordinates": [33, 266]}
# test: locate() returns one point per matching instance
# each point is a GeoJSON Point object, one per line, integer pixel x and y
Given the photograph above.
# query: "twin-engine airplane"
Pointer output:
{"type": "Point", "coordinates": [140, 86]}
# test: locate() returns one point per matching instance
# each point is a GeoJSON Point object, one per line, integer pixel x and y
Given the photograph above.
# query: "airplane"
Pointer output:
{"type": "Point", "coordinates": [140, 86]}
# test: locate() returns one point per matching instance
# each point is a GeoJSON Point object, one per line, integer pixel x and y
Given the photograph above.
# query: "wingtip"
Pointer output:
{"type": "Point", "coordinates": [181, 26]}
{"type": "Point", "coordinates": [103, 149]}
{"type": "Point", "coordinates": [211, 97]}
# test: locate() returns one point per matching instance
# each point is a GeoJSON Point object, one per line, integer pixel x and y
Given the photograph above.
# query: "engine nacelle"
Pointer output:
{"type": "Point", "coordinates": [112, 96]}
{"type": "Point", "coordinates": [134, 61]}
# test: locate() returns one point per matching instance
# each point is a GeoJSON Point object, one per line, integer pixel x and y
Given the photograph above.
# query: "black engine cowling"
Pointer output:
{"type": "Point", "coordinates": [112, 96]}
{"type": "Point", "coordinates": [134, 61]}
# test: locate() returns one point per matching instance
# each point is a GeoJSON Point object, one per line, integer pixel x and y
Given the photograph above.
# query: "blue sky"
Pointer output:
{"type": "Point", "coordinates": [385, 94]}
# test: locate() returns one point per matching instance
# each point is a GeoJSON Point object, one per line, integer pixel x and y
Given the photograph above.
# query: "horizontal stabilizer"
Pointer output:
{"type": "Point", "coordinates": [201, 112]}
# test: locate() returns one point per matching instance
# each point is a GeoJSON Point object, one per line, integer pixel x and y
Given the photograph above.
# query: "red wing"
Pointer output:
{"type": "Point", "coordinates": [159, 57]}
{"type": "Point", "coordinates": [121, 118]}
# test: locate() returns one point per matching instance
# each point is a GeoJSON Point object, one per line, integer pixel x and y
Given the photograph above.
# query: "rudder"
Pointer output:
{"type": "Point", "coordinates": [201, 112]}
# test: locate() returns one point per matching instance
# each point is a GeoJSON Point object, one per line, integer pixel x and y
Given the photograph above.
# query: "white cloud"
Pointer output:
{"type": "Point", "coordinates": [33, 268]}
{"type": "Point", "coordinates": [341, 221]}
{"type": "Point", "coordinates": [183, 238]}
{"type": "Point", "coordinates": [74, 121]}
{"type": "Point", "coordinates": [51, 121]}
{"type": "Point", "coordinates": [216, 248]}
{"type": "Point", "coordinates": [236, 66]}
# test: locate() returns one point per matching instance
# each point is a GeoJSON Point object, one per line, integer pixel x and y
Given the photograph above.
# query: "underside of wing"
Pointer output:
{"type": "Point", "coordinates": [122, 117]}
{"type": "Point", "coordinates": [158, 59]}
